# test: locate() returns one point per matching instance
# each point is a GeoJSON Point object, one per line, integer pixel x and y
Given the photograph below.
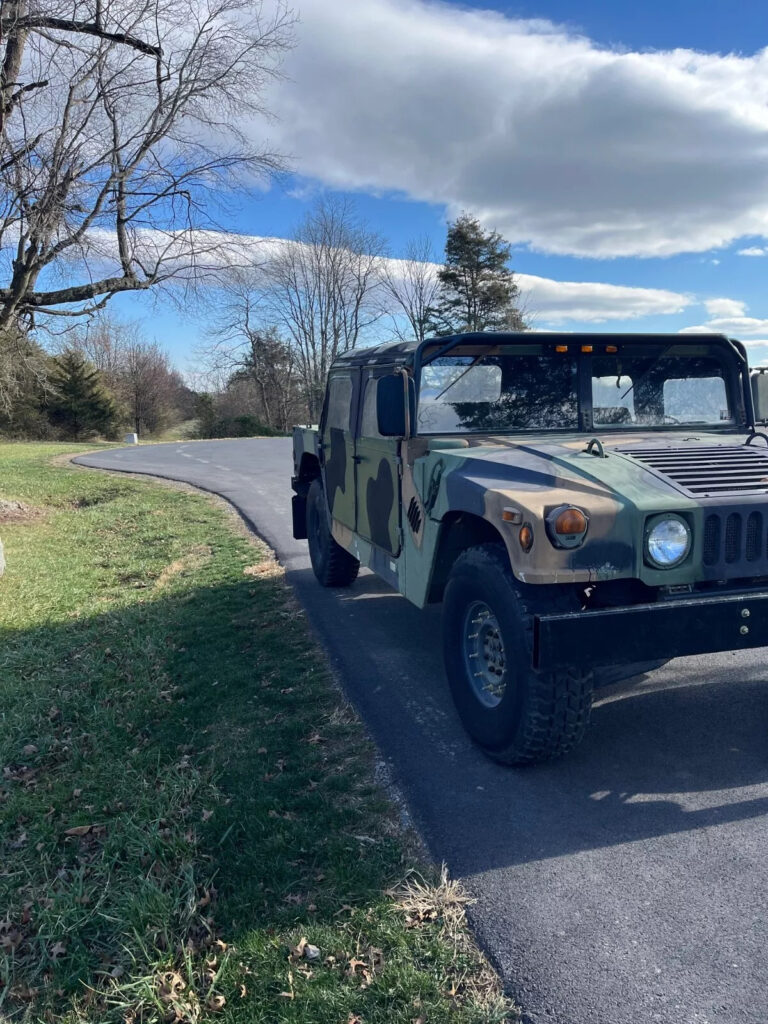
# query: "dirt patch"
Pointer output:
{"type": "Point", "coordinates": [267, 569]}
{"type": "Point", "coordinates": [195, 559]}
{"type": "Point", "coordinates": [18, 512]}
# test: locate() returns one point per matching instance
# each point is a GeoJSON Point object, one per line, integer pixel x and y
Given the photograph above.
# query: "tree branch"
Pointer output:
{"type": "Point", "coordinates": [88, 28]}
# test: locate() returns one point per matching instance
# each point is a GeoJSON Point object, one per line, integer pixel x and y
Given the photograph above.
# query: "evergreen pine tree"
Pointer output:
{"type": "Point", "coordinates": [80, 405]}
{"type": "Point", "coordinates": [477, 289]}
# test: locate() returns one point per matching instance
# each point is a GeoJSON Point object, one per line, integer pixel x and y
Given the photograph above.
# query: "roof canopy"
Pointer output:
{"type": "Point", "coordinates": [403, 352]}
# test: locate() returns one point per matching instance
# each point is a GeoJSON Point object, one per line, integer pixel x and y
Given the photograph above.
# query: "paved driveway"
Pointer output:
{"type": "Point", "coordinates": [625, 884]}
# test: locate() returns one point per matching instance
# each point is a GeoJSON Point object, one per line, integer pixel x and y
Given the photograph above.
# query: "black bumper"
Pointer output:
{"type": "Point", "coordinates": [651, 632]}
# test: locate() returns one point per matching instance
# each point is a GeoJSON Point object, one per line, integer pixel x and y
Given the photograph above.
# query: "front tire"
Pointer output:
{"type": "Point", "coordinates": [332, 565]}
{"type": "Point", "coordinates": [518, 716]}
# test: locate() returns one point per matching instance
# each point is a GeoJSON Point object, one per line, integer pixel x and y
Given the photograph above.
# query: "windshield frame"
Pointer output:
{"type": "Point", "coordinates": [730, 354]}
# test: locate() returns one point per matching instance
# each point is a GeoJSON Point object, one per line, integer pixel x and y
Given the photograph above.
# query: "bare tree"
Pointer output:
{"type": "Point", "coordinates": [23, 370]}
{"type": "Point", "coordinates": [137, 371]}
{"type": "Point", "coordinates": [148, 384]}
{"type": "Point", "coordinates": [103, 341]}
{"type": "Point", "coordinates": [245, 349]}
{"type": "Point", "coordinates": [118, 121]}
{"type": "Point", "coordinates": [321, 289]}
{"type": "Point", "coordinates": [414, 285]}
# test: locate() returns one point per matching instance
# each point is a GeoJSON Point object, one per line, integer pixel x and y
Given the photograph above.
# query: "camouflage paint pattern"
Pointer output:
{"type": "Point", "coordinates": [377, 465]}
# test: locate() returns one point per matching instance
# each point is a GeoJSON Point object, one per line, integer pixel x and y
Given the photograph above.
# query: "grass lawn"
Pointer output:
{"type": "Point", "coordinates": [189, 826]}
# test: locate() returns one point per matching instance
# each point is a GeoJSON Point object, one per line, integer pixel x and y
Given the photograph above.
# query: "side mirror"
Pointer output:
{"type": "Point", "coordinates": [760, 395]}
{"type": "Point", "coordinates": [391, 408]}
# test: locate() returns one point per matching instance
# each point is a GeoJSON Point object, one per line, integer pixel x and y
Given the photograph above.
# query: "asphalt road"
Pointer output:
{"type": "Point", "coordinates": [625, 884]}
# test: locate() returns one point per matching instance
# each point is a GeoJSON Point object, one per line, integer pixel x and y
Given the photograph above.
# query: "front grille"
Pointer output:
{"type": "Point", "coordinates": [709, 470]}
{"type": "Point", "coordinates": [736, 543]}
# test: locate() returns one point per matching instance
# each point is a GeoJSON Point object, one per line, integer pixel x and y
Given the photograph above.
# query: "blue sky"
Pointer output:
{"type": "Point", "coordinates": [612, 143]}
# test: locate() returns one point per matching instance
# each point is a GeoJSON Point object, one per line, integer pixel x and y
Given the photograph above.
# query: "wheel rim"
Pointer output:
{"type": "Point", "coordinates": [485, 659]}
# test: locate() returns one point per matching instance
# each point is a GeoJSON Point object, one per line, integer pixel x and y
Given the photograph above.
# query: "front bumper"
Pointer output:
{"type": "Point", "coordinates": [651, 632]}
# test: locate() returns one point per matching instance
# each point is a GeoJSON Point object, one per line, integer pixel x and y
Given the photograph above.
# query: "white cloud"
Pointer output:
{"type": "Point", "coordinates": [724, 307]}
{"type": "Point", "coordinates": [753, 250]}
{"type": "Point", "coordinates": [738, 326]}
{"type": "Point", "coordinates": [559, 143]}
{"type": "Point", "coordinates": [557, 301]}
{"type": "Point", "coordinates": [209, 255]}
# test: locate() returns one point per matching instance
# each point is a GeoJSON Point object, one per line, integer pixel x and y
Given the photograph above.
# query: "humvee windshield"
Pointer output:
{"type": "Point", "coordinates": [536, 387]}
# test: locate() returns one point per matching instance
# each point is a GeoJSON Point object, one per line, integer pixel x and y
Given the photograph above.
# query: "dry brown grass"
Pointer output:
{"type": "Point", "coordinates": [198, 556]}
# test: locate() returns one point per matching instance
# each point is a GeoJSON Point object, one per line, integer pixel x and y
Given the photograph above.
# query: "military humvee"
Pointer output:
{"type": "Point", "coordinates": [584, 505]}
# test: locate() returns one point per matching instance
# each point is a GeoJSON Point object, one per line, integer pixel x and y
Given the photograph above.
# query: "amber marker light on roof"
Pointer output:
{"type": "Point", "coordinates": [611, 348]}
{"type": "Point", "coordinates": [561, 348]}
{"type": "Point", "coordinates": [587, 348]}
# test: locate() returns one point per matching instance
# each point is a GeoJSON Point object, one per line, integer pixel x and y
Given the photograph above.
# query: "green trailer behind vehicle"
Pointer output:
{"type": "Point", "coordinates": [585, 506]}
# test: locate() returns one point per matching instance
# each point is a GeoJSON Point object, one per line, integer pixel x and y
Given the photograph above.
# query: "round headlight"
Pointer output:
{"type": "Point", "coordinates": [668, 542]}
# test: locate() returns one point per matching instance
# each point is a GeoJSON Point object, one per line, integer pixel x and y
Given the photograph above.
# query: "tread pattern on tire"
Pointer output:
{"type": "Point", "coordinates": [338, 568]}
{"type": "Point", "coordinates": [559, 703]}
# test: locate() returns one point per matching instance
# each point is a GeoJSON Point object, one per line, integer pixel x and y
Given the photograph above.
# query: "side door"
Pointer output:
{"type": "Point", "coordinates": [338, 445]}
{"type": "Point", "coordinates": [378, 479]}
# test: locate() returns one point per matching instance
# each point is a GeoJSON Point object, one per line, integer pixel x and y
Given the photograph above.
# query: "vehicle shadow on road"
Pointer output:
{"type": "Point", "coordinates": [681, 749]}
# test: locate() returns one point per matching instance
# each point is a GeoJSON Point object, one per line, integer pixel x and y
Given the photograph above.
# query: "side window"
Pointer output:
{"type": "Point", "coordinates": [339, 403]}
{"type": "Point", "coordinates": [369, 421]}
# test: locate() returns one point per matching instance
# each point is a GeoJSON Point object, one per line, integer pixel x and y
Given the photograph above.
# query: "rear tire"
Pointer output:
{"type": "Point", "coordinates": [332, 565]}
{"type": "Point", "coordinates": [518, 716]}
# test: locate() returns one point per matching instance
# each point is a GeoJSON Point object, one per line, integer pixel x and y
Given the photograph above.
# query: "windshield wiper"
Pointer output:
{"type": "Point", "coordinates": [647, 373]}
{"type": "Point", "coordinates": [471, 366]}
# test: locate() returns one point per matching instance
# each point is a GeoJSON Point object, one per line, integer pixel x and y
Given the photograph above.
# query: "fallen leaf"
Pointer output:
{"type": "Point", "coordinates": [29, 750]}
{"type": "Point", "coordinates": [290, 994]}
{"type": "Point", "coordinates": [297, 951]}
{"type": "Point", "coordinates": [58, 949]}
{"type": "Point", "coordinates": [207, 815]}
{"type": "Point", "coordinates": [243, 991]}
{"type": "Point", "coordinates": [216, 1002]}
{"type": "Point", "coordinates": [79, 830]}
{"type": "Point", "coordinates": [352, 966]}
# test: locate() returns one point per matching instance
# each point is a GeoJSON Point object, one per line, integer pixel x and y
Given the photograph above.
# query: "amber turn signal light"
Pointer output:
{"type": "Point", "coordinates": [566, 526]}
{"type": "Point", "coordinates": [561, 348]}
{"type": "Point", "coordinates": [570, 521]}
{"type": "Point", "coordinates": [526, 537]}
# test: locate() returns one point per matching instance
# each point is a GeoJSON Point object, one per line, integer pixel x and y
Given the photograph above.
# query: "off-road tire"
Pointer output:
{"type": "Point", "coordinates": [332, 565]}
{"type": "Point", "coordinates": [541, 715]}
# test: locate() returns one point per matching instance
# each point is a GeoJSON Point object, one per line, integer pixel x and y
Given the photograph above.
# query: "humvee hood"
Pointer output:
{"type": "Point", "coordinates": [536, 463]}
